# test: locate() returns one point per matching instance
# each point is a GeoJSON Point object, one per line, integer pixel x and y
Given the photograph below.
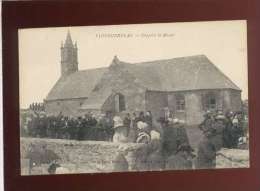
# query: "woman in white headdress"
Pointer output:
{"type": "Point", "coordinates": [120, 135]}
{"type": "Point", "coordinates": [143, 132]}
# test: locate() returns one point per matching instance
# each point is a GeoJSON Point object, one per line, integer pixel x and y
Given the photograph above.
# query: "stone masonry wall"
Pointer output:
{"type": "Point", "coordinates": [232, 158]}
{"type": "Point", "coordinates": [68, 107]}
{"type": "Point", "coordinates": [156, 102]}
{"type": "Point", "coordinates": [84, 156]}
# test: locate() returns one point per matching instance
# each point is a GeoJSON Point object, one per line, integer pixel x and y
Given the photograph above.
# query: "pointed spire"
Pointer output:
{"type": "Point", "coordinates": [68, 42]}
{"type": "Point", "coordinates": [115, 60]}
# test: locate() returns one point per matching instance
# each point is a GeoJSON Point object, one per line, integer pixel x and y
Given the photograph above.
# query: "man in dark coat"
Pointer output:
{"type": "Point", "coordinates": [109, 127]}
{"type": "Point", "coordinates": [237, 130]}
{"type": "Point", "coordinates": [169, 140]}
{"type": "Point", "coordinates": [182, 159]}
{"type": "Point", "coordinates": [207, 122]}
{"type": "Point", "coordinates": [233, 130]}
{"type": "Point", "coordinates": [181, 132]}
{"type": "Point", "coordinates": [127, 122]}
{"type": "Point", "coordinates": [213, 128]}
{"type": "Point", "coordinates": [206, 158]}
{"type": "Point", "coordinates": [133, 131]}
{"type": "Point", "coordinates": [149, 119]}
{"type": "Point", "coordinates": [155, 160]}
{"type": "Point", "coordinates": [228, 139]}
{"type": "Point", "coordinates": [81, 128]}
{"type": "Point", "coordinates": [73, 128]}
{"type": "Point", "coordinates": [141, 117]}
{"type": "Point", "coordinates": [174, 135]}
{"type": "Point", "coordinates": [218, 127]}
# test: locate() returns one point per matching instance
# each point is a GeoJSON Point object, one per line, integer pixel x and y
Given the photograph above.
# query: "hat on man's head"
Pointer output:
{"type": "Point", "coordinates": [207, 113]}
{"type": "Point", "coordinates": [220, 116]}
{"type": "Point", "coordinates": [220, 112]}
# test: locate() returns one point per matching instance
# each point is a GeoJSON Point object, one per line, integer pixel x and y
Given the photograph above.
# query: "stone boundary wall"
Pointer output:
{"type": "Point", "coordinates": [232, 158]}
{"type": "Point", "coordinates": [82, 156]}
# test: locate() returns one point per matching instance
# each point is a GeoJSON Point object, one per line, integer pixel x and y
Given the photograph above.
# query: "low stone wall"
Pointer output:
{"type": "Point", "coordinates": [80, 156]}
{"type": "Point", "coordinates": [98, 156]}
{"type": "Point", "coordinates": [232, 158]}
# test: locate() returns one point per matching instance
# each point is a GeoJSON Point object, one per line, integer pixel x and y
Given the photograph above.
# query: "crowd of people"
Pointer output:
{"type": "Point", "coordinates": [62, 127]}
{"type": "Point", "coordinates": [170, 149]}
{"type": "Point", "coordinates": [103, 127]}
{"type": "Point", "coordinates": [37, 107]}
{"type": "Point", "coordinates": [167, 139]}
{"type": "Point", "coordinates": [221, 131]}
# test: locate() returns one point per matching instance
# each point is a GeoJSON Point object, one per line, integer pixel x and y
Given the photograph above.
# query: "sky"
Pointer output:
{"type": "Point", "coordinates": [223, 42]}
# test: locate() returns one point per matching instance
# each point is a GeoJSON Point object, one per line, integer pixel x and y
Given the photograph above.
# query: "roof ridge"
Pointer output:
{"type": "Point", "coordinates": [88, 69]}
{"type": "Point", "coordinates": [169, 59]}
{"type": "Point", "coordinates": [145, 62]}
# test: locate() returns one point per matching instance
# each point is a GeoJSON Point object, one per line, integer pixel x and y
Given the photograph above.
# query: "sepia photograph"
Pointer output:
{"type": "Point", "coordinates": [136, 97]}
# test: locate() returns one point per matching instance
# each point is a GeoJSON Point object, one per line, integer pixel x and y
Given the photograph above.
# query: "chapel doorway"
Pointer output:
{"type": "Point", "coordinates": [119, 102]}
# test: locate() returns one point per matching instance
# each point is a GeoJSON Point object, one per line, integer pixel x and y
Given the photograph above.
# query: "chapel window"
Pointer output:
{"type": "Point", "coordinates": [210, 101]}
{"type": "Point", "coordinates": [180, 102]}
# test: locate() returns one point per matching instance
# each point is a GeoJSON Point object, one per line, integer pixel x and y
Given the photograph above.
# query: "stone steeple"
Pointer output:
{"type": "Point", "coordinates": [69, 56]}
{"type": "Point", "coordinates": [68, 41]}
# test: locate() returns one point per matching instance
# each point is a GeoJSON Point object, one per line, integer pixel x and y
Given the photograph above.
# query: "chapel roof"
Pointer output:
{"type": "Point", "coordinates": [76, 85]}
{"type": "Point", "coordinates": [180, 74]}
{"type": "Point", "coordinates": [177, 74]}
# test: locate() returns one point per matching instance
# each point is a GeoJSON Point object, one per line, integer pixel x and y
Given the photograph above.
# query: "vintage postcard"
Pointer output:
{"type": "Point", "coordinates": [142, 97]}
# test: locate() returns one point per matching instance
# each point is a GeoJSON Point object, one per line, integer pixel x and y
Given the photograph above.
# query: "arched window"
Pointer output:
{"type": "Point", "coordinates": [180, 102]}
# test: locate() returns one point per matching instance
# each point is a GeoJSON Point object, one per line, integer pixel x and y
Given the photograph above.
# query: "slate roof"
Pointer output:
{"type": "Point", "coordinates": [177, 74]}
{"type": "Point", "coordinates": [76, 85]}
{"type": "Point", "coordinates": [180, 74]}
{"type": "Point", "coordinates": [96, 100]}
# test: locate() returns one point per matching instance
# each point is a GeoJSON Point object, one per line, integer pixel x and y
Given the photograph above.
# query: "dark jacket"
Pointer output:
{"type": "Point", "coordinates": [169, 141]}
{"type": "Point", "coordinates": [217, 136]}
{"type": "Point", "coordinates": [178, 162]}
{"type": "Point", "coordinates": [174, 135]}
{"type": "Point", "coordinates": [206, 154]}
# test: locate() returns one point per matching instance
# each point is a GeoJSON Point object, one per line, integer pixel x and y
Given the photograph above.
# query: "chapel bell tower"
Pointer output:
{"type": "Point", "coordinates": [69, 56]}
